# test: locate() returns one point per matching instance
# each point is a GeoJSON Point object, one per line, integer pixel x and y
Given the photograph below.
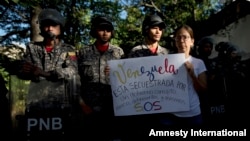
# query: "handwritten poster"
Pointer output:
{"type": "Point", "coordinates": [148, 85]}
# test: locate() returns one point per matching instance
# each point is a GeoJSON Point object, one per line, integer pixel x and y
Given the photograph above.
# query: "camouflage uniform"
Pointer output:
{"type": "Point", "coordinates": [96, 89]}
{"type": "Point", "coordinates": [62, 63]}
{"type": "Point", "coordinates": [143, 51]}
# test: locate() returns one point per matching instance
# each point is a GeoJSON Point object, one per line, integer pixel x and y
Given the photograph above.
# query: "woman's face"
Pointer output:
{"type": "Point", "coordinates": [183, 41]}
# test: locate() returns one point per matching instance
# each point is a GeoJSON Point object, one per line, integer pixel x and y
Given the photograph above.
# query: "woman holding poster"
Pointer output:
{"type": "Point", "coordinates": [197, 81]}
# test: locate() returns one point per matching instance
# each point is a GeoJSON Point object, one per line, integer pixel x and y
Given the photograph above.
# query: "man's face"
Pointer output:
{"type": "Point", "coordinates": [104, 33]}
{"type": "Point", "coordinates": [155, 33]}
{"type": "Point", "coordinates": [207, 49]}
{"type": "Point", "coordinates": [52, 27]}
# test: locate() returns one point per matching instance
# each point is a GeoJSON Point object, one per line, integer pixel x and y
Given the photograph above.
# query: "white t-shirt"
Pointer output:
{"type": "Point", "coordinates": [194, 101]}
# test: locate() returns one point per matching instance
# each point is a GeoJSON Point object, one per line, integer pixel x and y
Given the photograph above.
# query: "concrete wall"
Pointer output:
{"type": "Point", "coordinates": [238, 33]}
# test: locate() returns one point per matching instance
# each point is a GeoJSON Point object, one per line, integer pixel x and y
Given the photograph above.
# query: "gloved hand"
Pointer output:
{"type": "Point", "coordinates": [29, 68]}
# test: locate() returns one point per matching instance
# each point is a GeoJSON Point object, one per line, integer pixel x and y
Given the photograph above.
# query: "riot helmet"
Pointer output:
{"type": "Point", "coordinates": [205, 40]}
{"type": "Point", "coordinates": [101, 22]}
{"type": "Point", "coordinates": [227, 49]}
{"type": "Point", "coordinates": [152, 20]}
{"type": "Point", "coordinates": [50, 16]}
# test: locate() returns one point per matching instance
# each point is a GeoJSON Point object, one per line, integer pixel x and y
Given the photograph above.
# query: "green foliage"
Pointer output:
{"type": "Point", "coordinates": [9, 57]}
{"type": "Point", "coordinates": [129, 29]}
{"type": "Point", "coordinates": [17, 93]}
{"type": "Point", "coordinates": [12, 16]}
{"type": "Point", "coordinates": [5, 75]}
{"type": "Point", "coordinates": [126, 15]}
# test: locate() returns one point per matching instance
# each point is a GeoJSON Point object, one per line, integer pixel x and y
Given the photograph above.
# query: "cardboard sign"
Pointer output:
{"type": "Point", "coordinates": [148, 85]}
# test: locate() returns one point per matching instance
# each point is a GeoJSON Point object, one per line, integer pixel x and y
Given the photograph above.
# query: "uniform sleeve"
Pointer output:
{"type": "Point", "coordinates": [28, 56]}
{"type": "Point", "coordinates": [119, 53]}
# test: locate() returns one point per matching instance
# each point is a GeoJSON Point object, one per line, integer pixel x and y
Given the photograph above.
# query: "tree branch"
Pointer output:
{"type": "Point", "coordinates": [6, 36]}
{"type": "Point", "coordinates": [152, 5]}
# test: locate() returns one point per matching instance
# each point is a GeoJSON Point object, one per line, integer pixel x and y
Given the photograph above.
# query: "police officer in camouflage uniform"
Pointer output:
{"type": "Point", "coordinates": [152, 29]}
{"type": "Point", "coordinates": [51, 65]}
{"type": "Point", "coordinates": [94, 73]}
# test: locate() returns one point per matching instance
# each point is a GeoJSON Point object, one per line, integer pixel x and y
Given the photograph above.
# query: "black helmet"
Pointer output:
{"type": "Point", "coordinates": [52, 15]}
{"type": "Point", "coordinates": [226, 48]}
{"type": "Point", "coordinates": [100, 21]}
{"type": "Point", "coordinates": [152, 20]}
{"type": "Point", "coordinates": [202, 43]}
{"type": "Point", "coordinates": [205, 40]}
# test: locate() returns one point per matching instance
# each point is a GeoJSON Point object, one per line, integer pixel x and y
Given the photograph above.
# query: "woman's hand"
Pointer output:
{"type": "Point", "coordinates": [190, 69]}
{"type": "Point", "coordinates": [200, 81]}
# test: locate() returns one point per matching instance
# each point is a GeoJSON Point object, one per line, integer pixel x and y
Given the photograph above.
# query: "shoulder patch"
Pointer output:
{"type": "Point", "coordinates": [72, 55]}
